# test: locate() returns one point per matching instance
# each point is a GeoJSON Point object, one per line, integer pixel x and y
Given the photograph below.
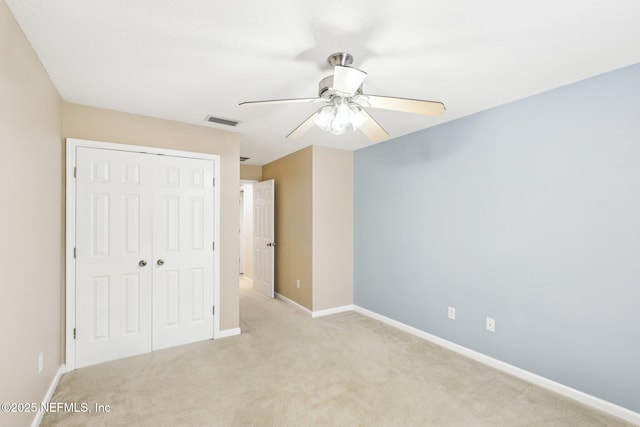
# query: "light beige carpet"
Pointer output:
{"type": "Point", "coordinates": [289, 370]}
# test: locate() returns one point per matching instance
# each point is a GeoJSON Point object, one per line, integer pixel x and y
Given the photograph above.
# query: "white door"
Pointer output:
{"type": "Point", "coordinates": [182, 252]}
{"type": "Point", "coordinates": [263, 237]}
{"type": "Point", "coordinates": [144, 255]}
{"type": "Point", "coordinates": [113, 253]}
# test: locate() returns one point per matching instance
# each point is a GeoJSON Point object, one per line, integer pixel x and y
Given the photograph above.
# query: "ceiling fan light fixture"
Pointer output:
{"type": "Point", "coordinates": [339, 117]}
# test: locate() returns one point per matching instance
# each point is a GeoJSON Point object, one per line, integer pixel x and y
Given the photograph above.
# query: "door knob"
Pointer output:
{"type": "Point", "coordinates": [160, 261]}
{"type": "Point", "coordinates": [142, 263]}
{"type": "Point", "coordinates": [271, 244]}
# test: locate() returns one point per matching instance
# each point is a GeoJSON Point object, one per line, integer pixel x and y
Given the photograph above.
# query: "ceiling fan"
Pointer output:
{"type": "Point", "coordinates": [345, 103]}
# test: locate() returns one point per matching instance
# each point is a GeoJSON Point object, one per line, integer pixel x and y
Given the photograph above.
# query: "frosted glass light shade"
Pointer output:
{"type": "Point", "coordinates": [324, 117]}
{"type": "Point", "coordinates": [340, 117]}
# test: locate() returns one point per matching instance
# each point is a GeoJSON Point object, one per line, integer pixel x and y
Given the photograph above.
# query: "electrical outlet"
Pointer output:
{"type": "Point", "coordinates": [40, 362]}
{"type": "Point", "coordinates": [491, 324]}
{"type": "Point", "coordinates": [451, 313]}
{"type": "Point", "coordinates": [298, 283]}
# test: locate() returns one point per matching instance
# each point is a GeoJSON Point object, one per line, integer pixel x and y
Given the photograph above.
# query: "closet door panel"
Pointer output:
{"type": "Point", "coordinates": [183, 252]}
{"type": "Point", "coordinates": [113, 241]}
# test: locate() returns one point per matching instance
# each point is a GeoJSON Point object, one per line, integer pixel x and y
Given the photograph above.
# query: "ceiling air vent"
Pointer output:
{"type": "Point", "coordinates": [222, 121]}
{"type": "Point", "coordinates": [244, 159]}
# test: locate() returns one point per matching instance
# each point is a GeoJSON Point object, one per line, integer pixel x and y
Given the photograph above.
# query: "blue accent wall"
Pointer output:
{"type": "Point", "coordinates": [528, 213]}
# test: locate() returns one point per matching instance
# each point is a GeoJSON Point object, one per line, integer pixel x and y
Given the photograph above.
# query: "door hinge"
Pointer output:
{"type": "Point", "coordinates": [74, 333]}
{"type": "Point", "coordinates": [213, 310]}
{"type": "Point", "coordinates": [214, 182]}
{"type": "Point", "coordinates": [74, 171]}
{"type": "Point", "coordinates": [74, 252]}
{"type": "Point", "coordinates": [214, 246]}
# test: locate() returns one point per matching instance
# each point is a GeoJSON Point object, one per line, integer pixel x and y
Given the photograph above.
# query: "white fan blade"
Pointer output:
{"type": "Point", "coordinates": [347, 80]}
{"type": "Point", "coordinates": [372, 129]}
{"type": "Point", "coordinates": [418, 106]}
{"type": "Point", "coordinates": [284, 101]}
{"type": "Point", "coordinates": [303, 127]}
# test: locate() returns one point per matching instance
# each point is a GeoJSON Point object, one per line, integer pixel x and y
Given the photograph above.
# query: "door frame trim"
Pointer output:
{"type": "Point", "coordinates": [70, 233]}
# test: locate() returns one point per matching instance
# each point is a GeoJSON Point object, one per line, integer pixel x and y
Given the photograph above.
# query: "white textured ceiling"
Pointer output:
{"type": "Point", "coordinates": [183, 60]}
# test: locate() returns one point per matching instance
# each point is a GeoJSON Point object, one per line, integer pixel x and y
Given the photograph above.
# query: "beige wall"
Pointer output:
{"type": "Point", "coordinates": [314, 226]}
{"type": "Point", "coordinates": [104, 125]}
{"type": "Point", "coordinates": [251, 173]}
{"type": "Point", "coordinates": [292, 175]}
{"type": "Point", "coordinates": [332, 228]}
{"type": "Point", "coordinates": [31, 222]}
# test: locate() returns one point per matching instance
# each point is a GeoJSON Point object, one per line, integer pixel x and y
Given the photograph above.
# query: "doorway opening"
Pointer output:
{"type": "Point", "coordinates": [245, 258]}
{"type": "Point", "coordinates": [257, 244]}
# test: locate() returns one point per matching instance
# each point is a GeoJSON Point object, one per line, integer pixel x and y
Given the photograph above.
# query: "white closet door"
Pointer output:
{"type": "Point", "coordinates": [183, 252]}
{"type": "Point", "coordinates": [113, 243]}
{"type": "Point", "coordinates": [144, 263]}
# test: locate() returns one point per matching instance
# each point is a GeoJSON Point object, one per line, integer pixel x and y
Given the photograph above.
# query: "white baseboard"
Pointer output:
{"type": "Point", "coordinates": [305, 310]}
{"type": "Point", "coordinates": [48, 395]}
{"type": "Point", "coordinates": [227, 333]}
{"type": "Point", "coordinates": [584, 398]}
{"type": "Point", "coordinates": [314, 314]}
{"type": "Point", "coordinates": [330, 311]}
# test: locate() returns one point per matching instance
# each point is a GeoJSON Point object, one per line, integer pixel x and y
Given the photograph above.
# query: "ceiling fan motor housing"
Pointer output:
{"type": "Point", "coordinates": [325, 88]}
